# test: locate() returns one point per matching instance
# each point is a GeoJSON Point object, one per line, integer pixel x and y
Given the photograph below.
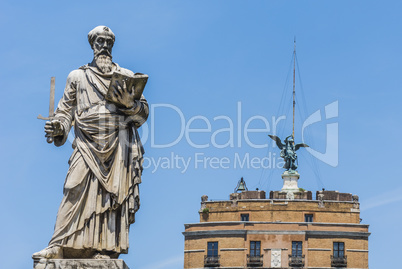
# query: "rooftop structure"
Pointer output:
{"type": "Point", "coordinates": [288, 230]}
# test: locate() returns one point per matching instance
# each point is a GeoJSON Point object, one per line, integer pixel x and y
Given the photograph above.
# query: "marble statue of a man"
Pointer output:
{"type": "Point", "coordinates": [101, 194]}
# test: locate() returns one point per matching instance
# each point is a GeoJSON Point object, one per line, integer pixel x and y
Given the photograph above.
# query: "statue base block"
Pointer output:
{"type": "Point", "coordinates": [79, 264]}
{"type": "Point", "coordinates": [290, 179]}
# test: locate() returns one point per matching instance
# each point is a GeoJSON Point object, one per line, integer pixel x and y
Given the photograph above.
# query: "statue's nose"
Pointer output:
{"type": "Point", "coordinates": [105, 45]}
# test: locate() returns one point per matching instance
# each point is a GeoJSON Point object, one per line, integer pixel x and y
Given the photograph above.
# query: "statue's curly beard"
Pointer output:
{"type": "Point", "coordinates": [104, 62]}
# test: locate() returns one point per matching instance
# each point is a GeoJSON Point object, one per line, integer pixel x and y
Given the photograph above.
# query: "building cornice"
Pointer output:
{"type": "Point", "coordinates": [223, 223]}
{"type": "Point", "coordinates": [277, 200]}
{"type": "Point", "coordinates": [323, 234]}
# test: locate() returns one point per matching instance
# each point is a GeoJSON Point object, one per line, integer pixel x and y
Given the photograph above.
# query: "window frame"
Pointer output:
{"type": "Point", "coordinates": [308, 216]}
{"type": "Point", "coordinates": [255, 248]}
{"type": "Point", "coordinates": [297, 248]}
{"type": "Point", "coordinates": [336, 252]}
{"type": "Point", "coordinates": [247, 215]}
{"type": "Point", "coordinates": [213, 248]}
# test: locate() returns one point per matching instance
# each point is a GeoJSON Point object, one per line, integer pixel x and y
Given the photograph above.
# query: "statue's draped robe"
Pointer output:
{"type": "Point", "coordinates": [101, 192]}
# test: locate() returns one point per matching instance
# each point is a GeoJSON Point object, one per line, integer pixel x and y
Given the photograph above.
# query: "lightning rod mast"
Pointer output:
{"type": "Point", "coordinates": [294, 83]}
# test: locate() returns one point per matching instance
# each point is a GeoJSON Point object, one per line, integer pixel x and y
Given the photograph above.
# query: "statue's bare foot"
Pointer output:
{"type": "Point", "coordinates": [51, 252]}
{"type": "Point", "coordinates": [100, 256]}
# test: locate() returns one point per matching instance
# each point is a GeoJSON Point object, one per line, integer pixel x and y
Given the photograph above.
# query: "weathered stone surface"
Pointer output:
{"type": "Point", "coordinates": [276, 257]}
{"type": "Point", "coordinates": [337, 196]}
{"type": "Point", "coordinates": [244, 195]}
{"type": "Point", "coordinates": [300, 195]}
{"type": "Point", "coordinates": [290, 181]}
{"type": "Point", "coordinates": [80, 264]}
{"type": "Point", "coordinates": [101, 189]}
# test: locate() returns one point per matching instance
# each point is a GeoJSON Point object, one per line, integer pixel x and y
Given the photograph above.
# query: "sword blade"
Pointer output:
{"type": "Point", "coordinates": [51, 99]}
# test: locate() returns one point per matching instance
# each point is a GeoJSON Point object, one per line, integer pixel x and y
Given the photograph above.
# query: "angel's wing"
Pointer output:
{"type": "Point", "coordinates": [301, 146]}
{"type": "Point", "coordinates": [277, 140]}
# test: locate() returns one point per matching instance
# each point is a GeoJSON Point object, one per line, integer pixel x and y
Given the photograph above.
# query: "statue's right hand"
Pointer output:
{"type": "Point", "coordinates": [53, 128]}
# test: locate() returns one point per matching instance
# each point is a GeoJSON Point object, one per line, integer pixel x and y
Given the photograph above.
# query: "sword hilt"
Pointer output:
{"type": "Point", "coordinates": [49, 139]}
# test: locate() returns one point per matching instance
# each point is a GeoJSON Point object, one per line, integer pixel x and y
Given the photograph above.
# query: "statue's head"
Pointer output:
{"type": "Point", "coordinates": [101, 39]}
{"type": "Point", "coordinates": [289, 140]}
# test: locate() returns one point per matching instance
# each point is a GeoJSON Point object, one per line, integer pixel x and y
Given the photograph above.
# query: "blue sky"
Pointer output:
{"type": "Point", "coordinates": [206, 59]}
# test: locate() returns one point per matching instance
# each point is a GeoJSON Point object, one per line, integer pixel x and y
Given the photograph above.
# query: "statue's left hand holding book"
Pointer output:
{"type": "Point", "coordinates": [124, 90]}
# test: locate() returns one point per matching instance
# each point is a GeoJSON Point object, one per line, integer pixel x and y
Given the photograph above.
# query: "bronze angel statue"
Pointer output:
{"type": "Point", "coordinates": [288, 151]}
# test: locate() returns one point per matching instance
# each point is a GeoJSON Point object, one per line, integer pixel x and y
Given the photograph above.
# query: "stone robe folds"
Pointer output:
{"type": "Point", "coordinates": [101, 192]}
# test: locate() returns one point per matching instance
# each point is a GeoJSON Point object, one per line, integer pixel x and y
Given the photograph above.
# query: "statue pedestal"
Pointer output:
{"type": "Point", "coordinates": [290, 190]}
{"type": "Point", "coordinates": [290, 181]}
{"type": "Point", "coordinates": [79, 264]}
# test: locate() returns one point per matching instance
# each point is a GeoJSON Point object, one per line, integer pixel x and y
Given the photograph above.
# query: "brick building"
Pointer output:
{"type": "Point", "coordinates": [288, 230]}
